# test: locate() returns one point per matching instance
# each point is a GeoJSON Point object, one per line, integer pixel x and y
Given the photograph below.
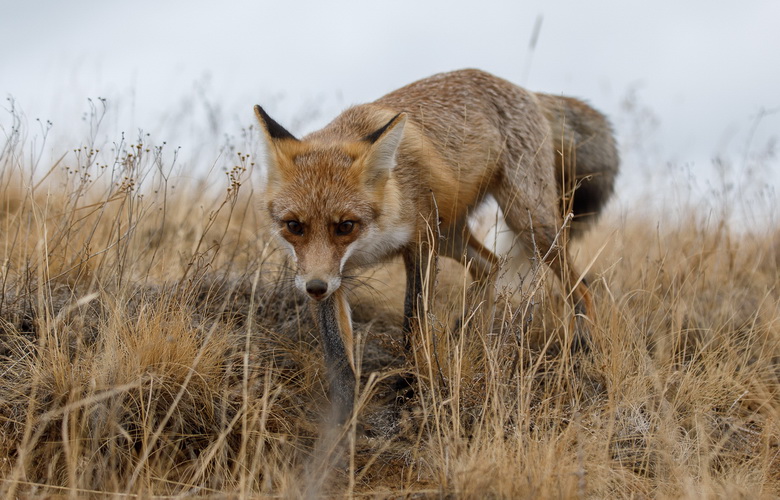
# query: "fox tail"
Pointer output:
{"type": "Point", "coordinates": [586, 157]}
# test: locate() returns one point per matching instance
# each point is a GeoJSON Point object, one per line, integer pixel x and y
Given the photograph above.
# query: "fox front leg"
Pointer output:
{"type": "Point", "coordinates": [417, 261]}
{"type": "Point", "coordinates": [412, 296]}
{"type": "Point", "coordinates": [335, 327]}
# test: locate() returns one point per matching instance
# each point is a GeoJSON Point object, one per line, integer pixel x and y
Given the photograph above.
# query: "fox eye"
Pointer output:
{"type": "Point", "coordinates": [344, 228]}
{"type": "Point", "coordinates": [294, 227]}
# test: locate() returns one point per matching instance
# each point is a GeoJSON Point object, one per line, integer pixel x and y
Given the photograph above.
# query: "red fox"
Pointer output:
{"type": "Point", "coordinates": [401, 175]}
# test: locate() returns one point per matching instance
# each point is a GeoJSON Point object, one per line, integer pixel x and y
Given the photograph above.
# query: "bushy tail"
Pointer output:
{"type": "Point", "coordinates": [586, 157]}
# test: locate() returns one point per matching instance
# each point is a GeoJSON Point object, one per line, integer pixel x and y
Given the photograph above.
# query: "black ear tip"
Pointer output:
{"type": "Point", "coordinates": [375, 135]}
{"type": "Point", "coordinates": [275, 130]}
{"type": "Point", "coordinates": [261, 114]}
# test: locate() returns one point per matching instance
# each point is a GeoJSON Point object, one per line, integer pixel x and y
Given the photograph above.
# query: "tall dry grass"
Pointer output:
{"type": "Point", "coordinates": [151, 344]}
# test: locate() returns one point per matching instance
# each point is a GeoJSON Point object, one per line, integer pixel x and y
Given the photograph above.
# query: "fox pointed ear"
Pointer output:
{"type": "Point", "coordinates": [384, 141]}
{"type": "Point", "coordinates": [275, 136]}
{"type": "Point", "coordinates": [272, 129]}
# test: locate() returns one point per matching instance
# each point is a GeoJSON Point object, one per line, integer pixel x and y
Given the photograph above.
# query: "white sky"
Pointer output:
{"type": "Point", "coordinates": [704, 69]}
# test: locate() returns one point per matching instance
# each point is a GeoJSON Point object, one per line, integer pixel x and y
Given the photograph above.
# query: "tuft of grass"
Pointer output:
{"type": "Point", "coordinates": [152, 344]}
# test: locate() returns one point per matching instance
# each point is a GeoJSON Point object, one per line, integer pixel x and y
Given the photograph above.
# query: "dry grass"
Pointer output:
{"type": "Point", "coordinates": [151, 344]}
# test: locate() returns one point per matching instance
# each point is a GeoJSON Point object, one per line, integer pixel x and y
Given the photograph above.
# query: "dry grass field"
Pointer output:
{"type": "Point", "coordinates": [151, 345]}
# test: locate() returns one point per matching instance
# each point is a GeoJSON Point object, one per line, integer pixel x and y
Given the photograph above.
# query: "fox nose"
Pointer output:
{"type": "Point", "coordinates": [316, 288]}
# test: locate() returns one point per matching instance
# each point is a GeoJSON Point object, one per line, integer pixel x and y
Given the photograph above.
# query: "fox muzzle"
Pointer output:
{"type": "Point", "coordinates": [316, 289]}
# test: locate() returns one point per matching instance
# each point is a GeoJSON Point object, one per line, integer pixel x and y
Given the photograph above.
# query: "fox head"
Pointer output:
{"type": "Point", "coordinates": [332, 203]}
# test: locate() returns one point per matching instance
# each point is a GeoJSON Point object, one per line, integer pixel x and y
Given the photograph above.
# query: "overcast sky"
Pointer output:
{"type": "Point", "coordinates": [702, 69]}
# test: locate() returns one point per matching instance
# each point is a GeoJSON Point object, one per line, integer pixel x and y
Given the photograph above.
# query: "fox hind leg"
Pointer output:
{"type": "Point", "coordinates": [581, 298]}
{"type": "Point", "coordinates": [539, 221]}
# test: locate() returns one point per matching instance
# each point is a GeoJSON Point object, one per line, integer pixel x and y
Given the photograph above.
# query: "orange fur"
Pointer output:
{"type": "Point", "coordinates": [375, 181]}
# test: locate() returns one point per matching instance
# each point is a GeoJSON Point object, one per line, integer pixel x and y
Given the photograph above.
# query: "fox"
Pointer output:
{"type": "Point", "coordinates": [400, 176]}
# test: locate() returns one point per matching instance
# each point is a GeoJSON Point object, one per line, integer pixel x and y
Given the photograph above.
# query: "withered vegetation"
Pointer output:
{"type": "Point", "coordinates": [151, 343]}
